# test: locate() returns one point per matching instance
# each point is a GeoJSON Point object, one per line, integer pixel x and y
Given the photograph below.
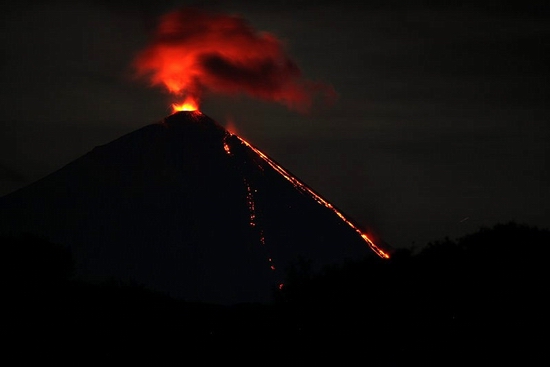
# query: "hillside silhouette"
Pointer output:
{"type": "Point", "coordinates": [182, 206]}
{"type": "Point", "coordinates": [481, 297]}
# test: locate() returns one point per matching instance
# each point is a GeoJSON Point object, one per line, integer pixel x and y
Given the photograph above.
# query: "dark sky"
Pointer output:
{"type": "Point", "coordinates": [441, 124]}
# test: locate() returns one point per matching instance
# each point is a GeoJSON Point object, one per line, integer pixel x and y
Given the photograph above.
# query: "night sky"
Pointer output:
{"type": "Point", "coordinates": [441, 123]}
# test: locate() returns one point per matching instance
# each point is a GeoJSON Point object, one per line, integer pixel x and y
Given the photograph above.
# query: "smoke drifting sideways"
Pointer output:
{"type": "Point", "coordinates": [193, 52]}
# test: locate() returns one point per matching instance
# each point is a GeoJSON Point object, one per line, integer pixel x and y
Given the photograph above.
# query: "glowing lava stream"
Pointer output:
{"type": "Point", "coordinates": [251, 206]}
{"type": "Point", "coordinates": [305, 189]}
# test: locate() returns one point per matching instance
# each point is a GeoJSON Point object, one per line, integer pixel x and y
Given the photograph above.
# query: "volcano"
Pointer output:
{"type": "Point", "coordinates": [184, 207]}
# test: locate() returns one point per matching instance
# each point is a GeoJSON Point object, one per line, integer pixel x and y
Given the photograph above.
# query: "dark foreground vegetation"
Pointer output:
{"type": "Point", "coordinates": [477, 300]}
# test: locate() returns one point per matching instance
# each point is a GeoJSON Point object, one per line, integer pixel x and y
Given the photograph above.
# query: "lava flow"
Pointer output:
{"type": "Point", "coordinates": [193, 52]}
{"type": "Point", "coordinates": [302, 187]}
{"type": "Point", "coordinates": [251, 206]}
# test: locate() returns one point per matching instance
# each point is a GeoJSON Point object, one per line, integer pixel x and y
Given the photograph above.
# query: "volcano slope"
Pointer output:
{"type": "Point", "coordinates": [183, 207]}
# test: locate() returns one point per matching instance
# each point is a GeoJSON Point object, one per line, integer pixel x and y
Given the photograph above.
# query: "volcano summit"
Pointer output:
{"type": "Point", "coordinates": [184, 207]}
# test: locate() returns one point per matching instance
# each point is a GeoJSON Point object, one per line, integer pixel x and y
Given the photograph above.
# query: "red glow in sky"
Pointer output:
{"type": "Point", "coordinates": [193, 52]}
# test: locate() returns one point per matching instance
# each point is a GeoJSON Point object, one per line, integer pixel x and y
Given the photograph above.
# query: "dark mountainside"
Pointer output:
{"type": "Point", "coordinates": [169, 208]}
{"type": "Point", "coordinates": [481, 299]}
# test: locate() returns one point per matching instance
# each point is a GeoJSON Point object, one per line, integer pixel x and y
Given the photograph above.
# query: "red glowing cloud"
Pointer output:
{"type": "Point", "coordinates": [193, 52]}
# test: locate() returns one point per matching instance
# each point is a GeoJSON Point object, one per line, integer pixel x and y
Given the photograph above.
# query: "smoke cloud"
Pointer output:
{"type": "Point", "coordinates": [193, 52]}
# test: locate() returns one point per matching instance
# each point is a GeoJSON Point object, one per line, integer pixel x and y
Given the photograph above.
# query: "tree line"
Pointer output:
{"type": "Point", "coordinates": [483, 295]}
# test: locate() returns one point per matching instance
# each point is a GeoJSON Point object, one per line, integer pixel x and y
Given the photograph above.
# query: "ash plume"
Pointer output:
{"type": "Point", "coordinates": [193, 52]}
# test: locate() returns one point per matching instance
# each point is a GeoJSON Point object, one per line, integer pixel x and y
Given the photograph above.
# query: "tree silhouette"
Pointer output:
{"type": "Point", "coordinates": [479, 297]}
{"type": "Point", "coordinates": [482, 294]}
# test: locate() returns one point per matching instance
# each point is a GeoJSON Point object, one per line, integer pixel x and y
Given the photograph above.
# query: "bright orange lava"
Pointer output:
{"type": "Point", "coordinates": [305, 189]}
{"type": "Point", "coordinates": [190, 104]}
